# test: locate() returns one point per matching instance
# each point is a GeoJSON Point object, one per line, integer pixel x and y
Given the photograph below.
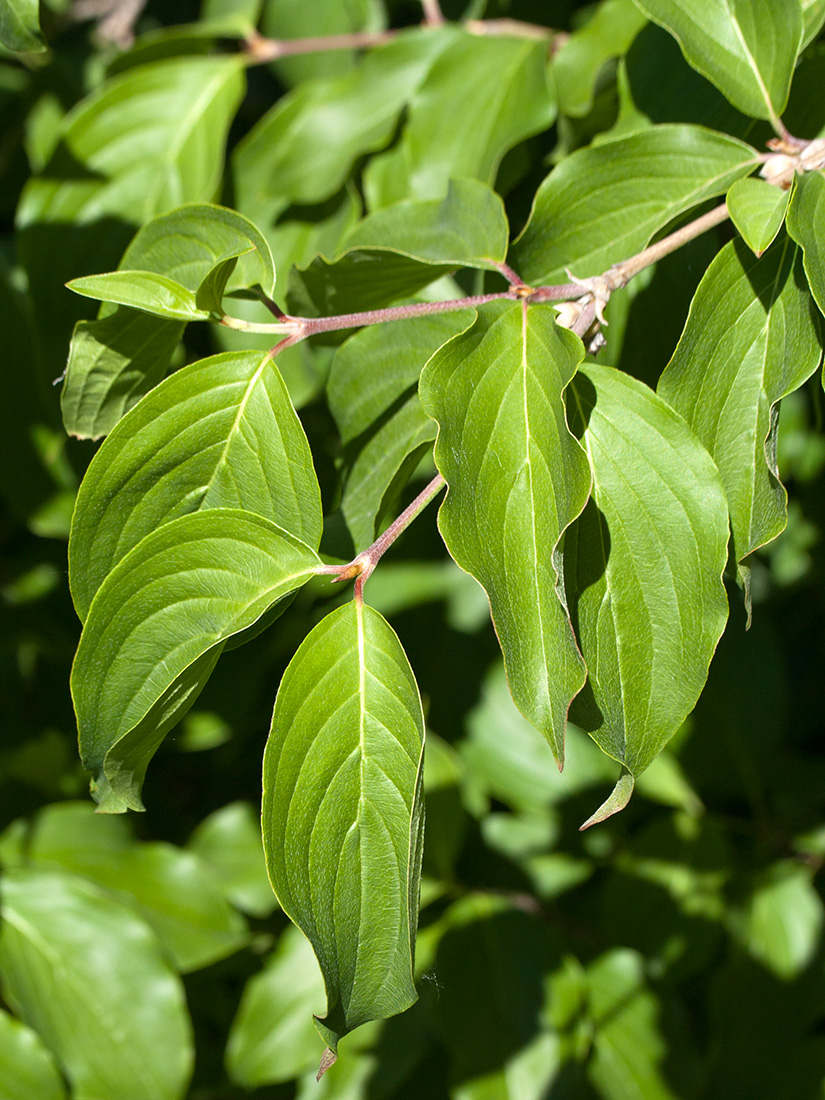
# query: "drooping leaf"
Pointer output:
{"type": "Point", "coordinates": [747, 48]}
{"type": "Point", "coordinates": [517, 478]}
{"type": "Point", "coordinates": [302, 150]}
{"type": "Point", "coordinates": [373, 396]}
{"type": "Point", "coordinates": [576, 67]}
{"type": "Point", "coordinates": [144, 290]}
{"type": "Point", "coordinates": [750, 339]}
{"type": "Point", "coordinates": [342, 812]}
{"type": "Point", "coordinates": [604, 203]}
{"type": "Point", "coordinates": [169, 887]}
{"type": "Point", "coordinates": [27, 1067]}
{"type": "Point", "coordinates": [272, 1037]}
{"type": "Point", "coordinates": [220, 433]}
{"type": "Point", "coordinates": [228, 841]}
{"type": "Point", "coordinates": [164, 612]}
{"type": "Point", "coordinates": [79, 214]}
{"type": "Point", "coordinates": [757, 209]}
{"type": "Point", "coordinates": [806, 220]}
{"type": "Point", "coordinates": [643, 568]}
{"type": "Point", "coordinates": [460, 122]}
{"type": "Point", "coordinates": [88, 976]}
{"type": "Point", "coordinates": [20, 25]}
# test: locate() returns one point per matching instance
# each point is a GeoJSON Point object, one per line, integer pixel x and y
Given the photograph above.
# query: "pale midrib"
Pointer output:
{"type": "Point", "coordinates": [750, 59]}
{"type": "Point", "coordinates": [230, 435]}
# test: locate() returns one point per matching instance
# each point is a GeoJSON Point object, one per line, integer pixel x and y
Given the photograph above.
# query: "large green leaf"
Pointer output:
{"type": "Point", "coordinates": [272, 1037]}
{"type": "Point", "coordinates": [161, 615]}
{"type": "Point", "coordinates": [220, 433]}
{"type": "Point", "coordinates": [27, 1067]}
{"type": "Point", "coordinates": [517, 478]}
{"type": "Point", "coordinates": [748, 48]}
{"type": "Point", "coordinates": [20, 25]}
{"type": "Point", "coordinates": [806, 225]}
{"type": "Point", "coordinates": [461, 122]}
{"type": "Point", "coordinates": [643, 568]}
{"type": "Point", "coordinates": [604, 203]}
{"type": "Point", "coordinates": [78, 215]}
{"type": "Point", "coordinates": [750, 339]}
{"type": "Point", "coordinates": [116, 359]}
{"type": "Point", "coordinates": [303, 149]}
{"type": "Point", "coordinates": [343, 815]}
{"type": "Point", "coordinates": [170, 888]}
{"type": "Point", "coordinates": [373, 396]}
{"type": "Point", "coordinates": [88, 975]}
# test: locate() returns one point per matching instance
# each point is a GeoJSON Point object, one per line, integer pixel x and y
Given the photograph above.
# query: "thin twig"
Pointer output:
{"type": "Point", "coordinates": [619, 275]}
{"type": "Point", "coordinates": [433, 15]}
{"type": "Point", "coordinates": [260, 49]}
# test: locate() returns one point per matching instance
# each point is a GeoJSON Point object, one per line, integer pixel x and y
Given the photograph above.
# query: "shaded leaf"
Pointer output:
{"type": "Point", "coordinates": [813, 17]}
{"type": "Point", "coordinates": [576, 67]}
{"type": "Point", "coordinates": [142, 290]}
{"type": "Point", "coordinates": [229, 843]}
{"type": "Point", "coordinates": [167, 886]}
{"type": "Point", "coordinates": [88, 975]}
{"type": "Point", "coordinates": [747, 48]}
{"type": "Point", "coordinates": [806, 222]}
{"type": "Point", "coordinates": [220, 433]}
{"type": "Point", "coordinates": [170, 604]}
{"type": "Point", "coordinates": [27, 1067]}
{"type": "Point", "coordinates": [461, 122]}
{"type": "Point", "coordinates": [757, 209]}
{"type": "Point", "coordinates": [604, 203]}
{"type": "Point", "coordinates": [342, 812]}
{"type": "Point", "coordinates": [517, 478]}
{"type": "Point", "coordinates": [272, 1038]}
{"type": "Point", "coordinates": [751, 338]}
{"type": "Point", "coordinates": [20, 25]}
{"type": "Point", "coordinates": [373, 396]}
{"type": "Point", "coordinates": [782, 924]}
{"type": "Point", "coordinates": [643, 567]}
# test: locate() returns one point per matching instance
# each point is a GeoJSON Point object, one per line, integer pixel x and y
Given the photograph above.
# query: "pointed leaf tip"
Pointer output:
{"type": "Point", "coordinates": [616, 801]}
{"type": "Point", "coordinates": [328, 1058]}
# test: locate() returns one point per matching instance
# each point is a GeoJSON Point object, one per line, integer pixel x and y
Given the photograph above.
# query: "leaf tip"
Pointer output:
{"type": "Point", "coordinates": [328, 1058]}
{"type": "Point", "coordinates": [616, 800]}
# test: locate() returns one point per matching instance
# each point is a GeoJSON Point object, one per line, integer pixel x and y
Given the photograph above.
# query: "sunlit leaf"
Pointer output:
{"type": "Point", "coordinates": [20, 25]}
{"type": "Point", "coordinates": [757, 209]}
{"type": "Point", "coordinates": [806, 219]}
{"type": "Point", "coordinates": [27, 1067]}
{"type": "Point", "coordinates": [142, 290]}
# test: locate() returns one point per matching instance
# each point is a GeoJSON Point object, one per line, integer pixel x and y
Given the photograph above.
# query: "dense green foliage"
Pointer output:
{"type": "Point", "coordinates": [625, 576]}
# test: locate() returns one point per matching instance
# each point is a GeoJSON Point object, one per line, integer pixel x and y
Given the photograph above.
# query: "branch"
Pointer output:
{"type": "Point", "coordinates": [433, 15]}
{"type": "Point", "coordinates": [117, 18]}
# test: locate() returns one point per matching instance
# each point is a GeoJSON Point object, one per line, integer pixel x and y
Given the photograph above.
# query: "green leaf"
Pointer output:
{"type": "Point", "coordinates": [295, 19]}
{"type": "Point", "coordinates": [78, 215]}
{"type": "Point", "coordinates": [302, 150]}
{"type": "Point", "coordinates": [220, 433]}
{"type": "Point", "coordinates": [142, 290]}
{"type": "Point", "coordinates": [170, 888]}
{"type": "Point", "coordinates": [113, 362]}
{"type": "Point", "coordinates": [174, 600]}
{"type": "Point", "coordinates": [757, 209]}
{"type": "Point", "coordinates": [517, 479]}
{"type": "Point", "coordinates": [244, 14]}
{"type": "Point", "coordinates": [272, 1038]}
{"type": "Point", "coordinates": [577, 65]}
{"type": "Point", "coordinates": [88, 975]}
{"type": "Point", "coordinates": [342, 812]}
{"type": "Point", "coordinates": [806, 224]}
{"type": "Point", "coordinates": [605, 203]}
{"type": "Point", "coordinates": [229, 843]}
{"type": "Point", "coordinates": [27, 1067]}
{"type": "Point", "coordinates": [373, 396]}
{"type": "Point", "coordinates": [782, 925]}
{"type": "Point", "coordinates": [20, 25]}
{"type": "Point", "coordinates": [461, 122]}
{"type": "Point", "coordinates": [747, 48]}
{"type": "Point", "coordinates": [643, 569]}
{"type": "Point", "coordinates": [751, 338]}
{"type": "Point", "coordinates": [813, 18]}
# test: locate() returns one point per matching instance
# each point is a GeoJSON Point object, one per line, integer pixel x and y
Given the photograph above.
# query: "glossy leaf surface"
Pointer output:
{"type": "Point", "coordinates": [748, 48]}
{"type": "Point", "coordinates": [220, 433]}
{"type": "Point", "coordinates": [27, 1068]}
{"type": "Point", "coordinates": [750, 339]}
{"type": "Point", "coordinates": [604, 203]}
{"type": "Point", "coordinates": [88, 975]}
{"type": "Point", "coordinates": [172, 602]}
{"type": "Point", "coordinates": [170, 888]}
{"type": "Point", "coordinates": [517, 478]}
{"type": "Point", "coordinates": [373, 395]}
{"type": "Point", "coordinates": [20, 25]}
{"type": "Point", "coordinates": [757, 209]}
{"type": "Point", "coordinates": [643, 567]}
{"type": "Point", "coordinates": [806, 225]}
{"type": "Point", "coordinates": [342, 812]}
